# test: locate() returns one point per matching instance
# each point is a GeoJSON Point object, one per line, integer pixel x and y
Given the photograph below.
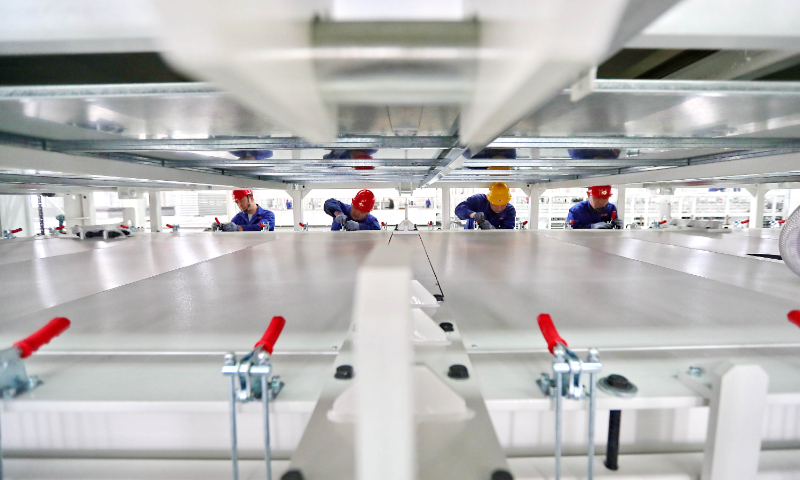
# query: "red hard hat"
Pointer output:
{"type": "Point", "coordinates": [364, 201]}
{"type": "Point", "coordinates": [237, 194]}
{"type": "Point", "coordinates": [600, 191]}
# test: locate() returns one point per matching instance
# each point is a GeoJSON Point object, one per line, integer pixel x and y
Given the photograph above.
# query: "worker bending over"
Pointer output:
{"type": "Point", "coordinates": [355, 217]}
{"type": "Point", "coordinates": [488, 211]}
{"type": "Point", "coordinates": [249, 218]}
{"type": "Point", "coordinates": [596, 211]}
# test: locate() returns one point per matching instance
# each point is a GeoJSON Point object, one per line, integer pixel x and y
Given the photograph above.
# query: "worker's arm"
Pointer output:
{"type": "Point", "coordinates": [510, 222]}
{"type": "Point", "coordinates": [463, 210]}
{"type": "Point", "coordinates": [370, 223]}
{"type": "Point", "coordinates": [574, 221]}
{"type": "Point", "coordinates": [333, 207]}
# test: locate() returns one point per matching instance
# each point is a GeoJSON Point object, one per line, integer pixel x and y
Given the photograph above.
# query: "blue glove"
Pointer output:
{"type": "Point", "coordinates": [341, 219]}
{"type": "Point", "coordinates": [230, 227]}
{"type": "Point", "coordinates": [602, 225]}
{"type": "Point", "coordinates": [479, 217]}
{"type": "Point", "coordinates": [351, 226]}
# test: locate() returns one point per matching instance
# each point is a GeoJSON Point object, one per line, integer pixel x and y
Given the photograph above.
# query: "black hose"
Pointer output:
{"type": "Point", "coordinates": [612, 447]}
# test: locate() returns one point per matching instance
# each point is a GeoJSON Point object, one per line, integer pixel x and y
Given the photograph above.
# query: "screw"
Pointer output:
{"type": "Point", "coordinates": [695, 371]}
{"type": "Point", "coordinates": [230, 358]}
{"type": "Point", "coordinates": [262, 358]}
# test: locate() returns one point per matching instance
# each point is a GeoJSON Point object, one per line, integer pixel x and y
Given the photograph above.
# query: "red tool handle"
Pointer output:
{"type": "Point", "coordinates": [302, 224]}
{"type": "Point", "coordinates": [170, 226]}
{"type": "Point", "coordinates": [271, 335]}
{"type": "Point", "coordinates": [123, 226]}
{"type": "Point", "coordinates": [744, 221]}
{"type": "Point", "coordinates": [430, 224]}
{"type": "Point", "coordinates": [217, 219]}
{"type": "Point", "coordinates": [794, 317]}
{"type": "Point", "coordinates": [662, 222]}
{"type": "Point", "coordinates": [524, 223]}
{"type": "Point", "coordinates": [613, 215]}
{"type": "Point", "coordinates": [549, 331]}
{"type": "Point", "coordinates": [383, 224]}
{"type": "Point", "coordinates": [261, 225]}
{"type": "Point", "coordinates": [16, 230]}
{"type": "Point", "coordinates": [781, 222]}
{"type": "Point", "coordinates": [42, 336]}
{"type": "Point", "coordinates": [62, 227]}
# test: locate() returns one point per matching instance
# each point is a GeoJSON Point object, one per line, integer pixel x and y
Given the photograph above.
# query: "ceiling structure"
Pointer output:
{"type": "Point", "coordinates": [676, 112]}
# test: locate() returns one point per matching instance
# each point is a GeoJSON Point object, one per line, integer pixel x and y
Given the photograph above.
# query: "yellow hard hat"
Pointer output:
{"type": "Point", "coordinates": [499, 194]}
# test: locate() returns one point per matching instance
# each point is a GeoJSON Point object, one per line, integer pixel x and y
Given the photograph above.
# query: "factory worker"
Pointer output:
{"type": "Point", "coordinates": [488, 211]}
{"type": "Point", "coordinates": [249, 218]}
{"type": "Point", "coordinates": [596, 211]}
{"type": "Point", "coordinates": [353, 217]}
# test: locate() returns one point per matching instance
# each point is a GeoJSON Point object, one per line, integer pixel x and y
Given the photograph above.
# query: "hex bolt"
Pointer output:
{"type": "Point", "coordinates": [458, 372]}
{"type": "Point", "coordinates": [446, 326]}
{"type": "Point", "coordinates": [230, 358]}
{"type": "Point", "coordinates": [262, 358]}
{"type": "Point", "coordinates": [502, 475]}
{"type": "Point", "coordinates": [344, 372]}
{"type": "Point", "coordinates": [293, 475]}
{"type": "Point", "coordinates": [695, 371]}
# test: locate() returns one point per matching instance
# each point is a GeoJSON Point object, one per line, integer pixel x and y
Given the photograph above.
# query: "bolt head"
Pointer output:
{"type": "Point", "coordinates": [694, 371]}
{"type": "Point", "coordinates": [263, 357]}
{"type": "Point", "coordinates": [230, 358]}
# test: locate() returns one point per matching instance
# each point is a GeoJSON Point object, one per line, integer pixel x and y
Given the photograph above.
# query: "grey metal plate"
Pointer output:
{"type": "Point", "coordinates": [498, 282]}
{"type": "Point", "coordinates": [216, 304]}
{"type": "Point", "coordinates": [670, 108]}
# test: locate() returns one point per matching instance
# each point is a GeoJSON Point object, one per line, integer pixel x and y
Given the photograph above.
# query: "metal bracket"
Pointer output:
{"type": "Point", "coordinates": [243, 388]}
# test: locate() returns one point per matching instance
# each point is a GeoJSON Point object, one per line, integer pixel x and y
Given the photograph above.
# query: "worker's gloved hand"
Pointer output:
{"type": "Point", "coordinates": [230, 227]}
{"type": "Point", "coordinates": [351, 226]}
{"type": "Point", "coordinates": [602, 225]}
{"type": "Point", "coordinates": [485, 225]}
{"type": "Point", "coordinates": [341, 219]}
{"type": "Point", "coordinates": [479, 217]}
{"type": "Point", "coordinates": [617, 223]}
{"type": "Point", "coordinates": [215, 226]}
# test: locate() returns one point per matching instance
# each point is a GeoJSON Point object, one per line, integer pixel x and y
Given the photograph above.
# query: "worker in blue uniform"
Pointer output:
{"type": "Point", "coordinates": [250, 218]}
{"type": "Point", "coordinates": [353, 217]}
{"type": "Point", "coordinates": [489, 211]}
{"type": "Point", "coordinates": [596, 211]}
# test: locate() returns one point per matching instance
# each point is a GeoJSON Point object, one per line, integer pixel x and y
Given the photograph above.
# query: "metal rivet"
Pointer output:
{"type": "Point", "coordinates": [695, 371]}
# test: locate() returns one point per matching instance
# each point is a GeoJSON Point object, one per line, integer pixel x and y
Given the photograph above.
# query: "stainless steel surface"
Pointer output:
{"type": "Point", "coordinates": [607, 292]}
{"type": "Point", "coordinates": [149, 302]}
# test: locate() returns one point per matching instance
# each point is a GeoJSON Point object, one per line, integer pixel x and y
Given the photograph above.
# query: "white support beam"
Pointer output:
{"type": "Point", "coordinates": [297, 206]}
{"type": "Point", "coordinates": [88, 209]}
{"type": "Point", "coordinates": [735, 420]}
{"type": "Point", "coordinates": [620, 203]}
{"type": "Point", "coordinates": [155, 212]}
{"type": "Point", "coordinates": [789, 162]}
{"type": "Point", "coordinates": [43, 161]}
{"type": "Point", "coordinates": [757, 206]}
{"type": "Point", "coordinates": [533, 216]}
{"type": "Point", "coordinates": [16, 212]}
{"type": "Point", "coordinates": [445, 209]}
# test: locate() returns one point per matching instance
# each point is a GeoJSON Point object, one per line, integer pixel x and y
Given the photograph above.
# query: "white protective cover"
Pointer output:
{"type": "Point", "coordinates": [789, 243]}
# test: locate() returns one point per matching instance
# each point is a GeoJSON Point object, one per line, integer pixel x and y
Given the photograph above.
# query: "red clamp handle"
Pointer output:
{"type": "Point", "coordinates": [744, 221]}
{"type": "Point", "coordinates": [123, 226]}
{"type": "Point", "coordinates": [662, 222]}
{"type": "Point", "coordinates": [613, 215]}
{"type": "Point", "coordinates": [524, 223]}
{"type": "Point", "coordinates": [170, 226]}
{"type": "Point", "coordinates": [383, 224]}
{"type": "Point", "coordinates": [42, 336]}
{"type": "Point", "coordinates": [794, 317]}
{"type": "Point", "coordinates": [217, 219]}
{"type": "Point", "coordinates": [16, 230]}
{"type": "Point", "coordinates": [549, 331]}
{"type": "Point", "coordinates": [62, 227]}
{"type": "Point", "coordinates": [781, 222]}
{"type": "Point", "coordinates": [430, 224]}
{"type": "Point", "coordinates": [271, 335]}
{"type": "Point", "coordinates": [302, 224]}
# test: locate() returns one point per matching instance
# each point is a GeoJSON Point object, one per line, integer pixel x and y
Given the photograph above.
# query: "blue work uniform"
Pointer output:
{"type": "Point", "coordinates": [479, 203]}
{"type": "Point", "coordinates": [582, 215]}
{"type": "Point", "coordinates": [251, 225]}
{"type": "Point", "coordinates": [332, 205]}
